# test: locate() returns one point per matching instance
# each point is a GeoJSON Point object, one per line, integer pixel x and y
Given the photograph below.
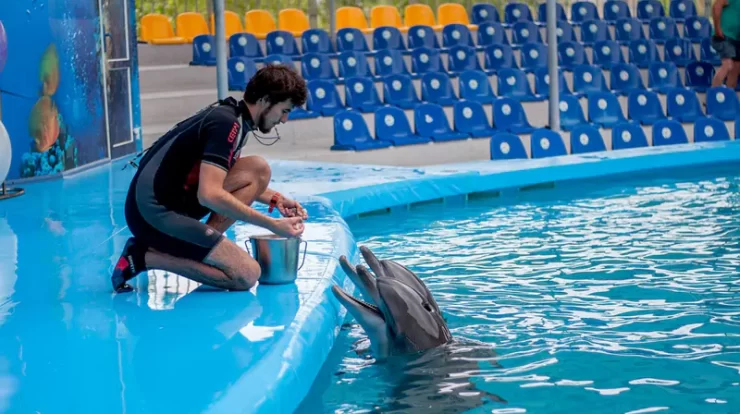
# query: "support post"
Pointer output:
{"type": "Point", "coordinates": [332, 20]}
{"type": "Point", "coordinates": [552, 65]}
{"type": "Point", "coordinates": [221, 71]}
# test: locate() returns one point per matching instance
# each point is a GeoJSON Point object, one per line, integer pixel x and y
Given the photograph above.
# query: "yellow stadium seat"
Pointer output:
{"type": "Point", "coordinates": [293, 21]}
{"type": "Point", "coordinates": [386, 16]}
{"type": "Point", "coordinates": [190, 25]}
{"type": "Point", "coordinates": [352, 17]}
{"type": "Point", "coordinates": [259, 23]}
{"type": "Point", "coordinates": [420, 14]}
{"type": "Point", "coordinates": [232, 22]}
{"type": "Point", "coordinates": [450, 13]}
{"type": "Point", "coordinates": [157, 30]}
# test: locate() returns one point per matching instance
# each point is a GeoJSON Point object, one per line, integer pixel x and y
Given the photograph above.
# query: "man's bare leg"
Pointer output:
{"type": "Point", "coordinates": [722, 72]}
{"type": "Point", "coordinates": [734, 73]}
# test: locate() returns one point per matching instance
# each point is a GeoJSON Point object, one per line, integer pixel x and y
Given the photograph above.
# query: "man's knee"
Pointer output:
{"type": "Point", "coordinates": [242, 270]}
{"type": "Point", "coordinates": [261, 169]}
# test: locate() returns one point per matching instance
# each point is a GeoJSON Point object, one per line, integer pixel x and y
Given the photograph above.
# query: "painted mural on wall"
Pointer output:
{"type": "Point", "coordinates": [51, 85]}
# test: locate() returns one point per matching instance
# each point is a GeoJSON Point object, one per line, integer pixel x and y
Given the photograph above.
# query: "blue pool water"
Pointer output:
{"type": "Point", "coordinates": [619, 298]}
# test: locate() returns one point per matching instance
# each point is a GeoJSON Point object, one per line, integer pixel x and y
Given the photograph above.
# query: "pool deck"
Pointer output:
{"type": "Point", "coordinates": [177, 346]}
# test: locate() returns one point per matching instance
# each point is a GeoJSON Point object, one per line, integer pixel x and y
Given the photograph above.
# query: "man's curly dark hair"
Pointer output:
{"type": "Point", "coordinates": [278, 82]}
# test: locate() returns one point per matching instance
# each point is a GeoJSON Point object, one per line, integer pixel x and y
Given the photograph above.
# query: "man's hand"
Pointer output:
{"type": "Point", "coordinates": [291, 208]}
{"type": "Point", "coordinates": [288, 227]}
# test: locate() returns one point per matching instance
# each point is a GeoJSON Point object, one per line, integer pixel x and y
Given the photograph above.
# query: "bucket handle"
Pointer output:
{"type": "Point", "coordinates": [305, 249]}
{"type": "Point", "coordinates": [246, 244]}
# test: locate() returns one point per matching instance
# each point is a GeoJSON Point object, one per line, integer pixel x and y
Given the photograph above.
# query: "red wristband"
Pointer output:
{"type": "Point", "coordinates": [273, 201]}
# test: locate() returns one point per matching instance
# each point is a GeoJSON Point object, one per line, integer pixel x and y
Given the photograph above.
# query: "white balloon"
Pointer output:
{"type": "Point", "coordinates": [5, 153]}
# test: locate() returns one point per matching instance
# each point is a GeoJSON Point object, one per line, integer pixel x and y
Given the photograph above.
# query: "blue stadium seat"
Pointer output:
{"type": "Point", "coordinates": [607, 53]}
{"type": "Point", "coordinates": [245, 45]}
{"type": "Point", "coordinates": [240, 70]}
{"type": "Point", "coordinates": [663, 76]}
{"type": "Point", "coordinates": [475, 86]}
{"type": "Point", "coordinates": [351, 63]}
{"type": "Point", "coordinates": [542, 13]}
{"type": "Point", "coordinates": [437, 88]}
{"type": "Point", "coordinates": [398, 90]}
{"type": "Point", "coordinates": [302, 112]}
{"type": "Point", "coordinates": [492, 33]}
{"type": "Point", "coordinates": [581, 11]}
{"type": "Point", "coordinates": [628, 135]}
{"type": "Point", "coordinates": [513, 83]}
{"type": "Point", "coordinates": [628, 29]}
{"type": "Point", "coordinates": [586, 138]}
{"type": "Point", "coordinates": [422, 36]}
{"type": "Point", "coordinates": [391, 62]}
{"type": "Point", "coordinates": [682, 105]}
{"type": "Point", "coordinates": [571, 113]}
{"type": "Point", "coordinates": [625, 77]}
{"type": "Point", "coordinates": [710, 129]}
{"type": "Point", "coordinates": [324, 97]}
{"type": "Point", "coordinates": [278, 59]}
{"type": "Point", "coordinates": [697, 28]}
{"type": "Point", "coordinates": [470, 118]}
{"type": "Point", "coordinates": [604, 109]}
{"type": "Point", "coordinates": [669, 132]}
{"type": "Point", "coordinates": [679, 51]}
{"type": "Point", "coordinates": [699, 75]}
{"type": "Point", "coordinates": [509, 116]}
{"type": "Point", "coordinates": [388, 37]}
{"type": "Point", "coordinates": [649, 9]}
{"type": "Point", "coordinates": [392, 125]}
{"type": "Point", "coordinates": [571, 54]}
{"type": "Point", "coordinates": [361, 94]}
{"type": "Point", "coordinates": [456, 34]}
{"type": "Point", "coordinates": [662, 29]}
{"type": "Point", "coordinates": [643, 52]}
{"type": "Point", "coordinates": [424, 60]}
{"type": "Point", "coordinates": [462, 58]}
{"type": "Point", "coordinates": [680, 10]}
{"type": "Point", "coordinates": [564, 31]}
{"type": "Point", "coordinates": [483, 13]}
{"type": "Point", "coordinates": [499, 56]}
{"type": "Point", "coordinates": [546, 143]}
{"type": "Point", "coordinates": [524, 32]}
{"type": "Point", "coordinates": [542, 83]}
{"type": "Point", "coordinates": [593, 31]}
{"type": "Point", "coordinates": [350, 38]}
{"type": "Point", "coordinates": [516, 12]}
{"type": "Point", "coordinates": [615, 10]}
{"type": "Point", "coordinates": [204, 51]}
{"type": "Point", "coordinates": [532, 56]}
{"type": "Point", "coordinates": [644, 107]}
{"type": "Point", "coordinates": [507, 146]}
{"type": "Point", "coordinates": [431, 122]}
{"type": "Point", "coordinates": [351, 133]}
{"type": "Point", "coordinates": [281, 42]}
{"type": "Point", "coordinates": [317, 41]}
{"type": "Point", "coordinates": [722, 103]}
{"type": "Point", "coordinates": [707, 52]}
{"type": "Point", "coordinates": [317, 66]}
{"type": "Point", "coordinates": [587, 78]}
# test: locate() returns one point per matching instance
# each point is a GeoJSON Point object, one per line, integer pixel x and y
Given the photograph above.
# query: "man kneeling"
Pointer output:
{"type": "Point", "coordinates": [195, 170]}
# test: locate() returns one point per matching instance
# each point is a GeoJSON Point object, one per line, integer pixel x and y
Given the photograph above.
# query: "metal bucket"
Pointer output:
{"type": "Point", "coordinates": [277, 257]}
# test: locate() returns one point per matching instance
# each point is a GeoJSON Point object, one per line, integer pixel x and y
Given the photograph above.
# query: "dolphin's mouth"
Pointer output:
{"type": "Point", "coordinates": [361, 303]}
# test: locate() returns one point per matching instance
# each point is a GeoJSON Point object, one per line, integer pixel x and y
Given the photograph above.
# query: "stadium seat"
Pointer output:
{"type": "Point", "coordinates": [546, 143]}
{"type": "Point", "coordinates": [484, 13]}
{"type": "Point", "coordinates": [392, 125]}
{"type": "Point", "coordinates": [509, 116]}
{"type": "Point", "coordinates": [697, 28]}
{"type": "Point", "coordinates": [302, 113]}
{"type": "Point", "coordinates": [571, 54]}
{"type": "Point", "coordinates": [679, 51]}
{"type": "Point", "coordinates": [204, 51]}
{"type": "Point", "coordinates": [361, 94]}
{"type": "Point", "coordinates": [628, 29]}
{"type": "Point", "coordinates": [668, 132]}
{"type": "Point", "coordinates": [386, 16]}
{"type": "Point", "coordinates": [628, 135]}
{"type": "Point", "coordinates": [560, 15]}
{"type": "Point", "coordinates": [722, 103]}
{"type": "Point", "coordinates": [491, 33]}
{"type": "Point", "coordinates": [586, 138]}
{"type": "Point", "coordinates": [420, 14]}
{"type": "Point", "coordinates": [662, 29]}
{"type": "Point", "coordinates": [281, 42]}
{"type": "Point", "coordinates": [351, 64]}
{"type": "Point", "coordinates": [642, 53]}
{"type": "Point", "coordinates": [317, 66]}
{"type": "Point", "coordinates": [498, 56]}
{"type": "Point", "coordinates": [593, 31]}
{"type": "Point", "coordinates": [604, 109]}
{"type": "Point", "coordinates": [624, 78]}
{"type": "Point", "coordinates": [707, 52]}
{"type": "Point", "coordinates": [607, 53]}
{"type": "Point", "coordinates": [246, 45]}
{"type": "Point", "coordinates": [542, 83]}
{"type": "Point", "coordinates": [532, 56]}
{"type": "Point", "coordinates": [571, 113]}
{"type": "Point", "coordinates": [517, 12]}
{"type": "Point", "coordinates": [462, 58]}
{"type": "Point", "coordinates": [507, 146]}
{"type": "Point", "coordinates": [699, 75]}
{"type": "Point", "coordinates": [564, 31]}
{"type": "Point", "coordinates": [294, 21]}
{"type": "Point", "coordinates": [324, 97]}
{"type": "Point", "coordinates": [351, 38]}
{"type": "Point", "coordinates": [388, 37]}
{"type": "Point", "coordinates": [317, 41]}
{"type": "Point", "coordinates": [351, 133]}
{"type": "Point", "coordinates": [587, 78]}
{"type": "Point", "coordinates": [278, 59]}
{"type": "Point", "coordinates": [349, 16]}
{"type": "Point", "coordinates": [240, 70]}
{"type": "Point", "coordinates": [437, 88]}
{"type": "Point", "coordinates": [232, 23]}
{"type": "Point", "coordinates": [649, 9]}
{"type": "Point", "coordinates": [259, 23]}
{"type": "Point", "coordinates": [615, 10]}
{"type": "Point", "coordinates": [190, 25]}
{"type": "Point", "coordinates": [431, 122]}
{"type": "Point", "coordinates": [581, 11]}
{"type": "Point", "coordinates": [453, 13]}
{"type": "Point", "coordinates": [513, 83]}
{"type": "Point", "coordinates": [398, 90]}
{"type": "Point", "coordinates": [524, 32]}
{"type": "Point", "coordinates": [644, 107]}
{"type": "Point", "coordinates": [391, 62]}
{"type": "Point", "coordinates": [680, 10]}
{"type": "Point", "coordinates": [710, 129]}
{"type": "Point", "coordinates": [422, 36]}
{"type": "Point", "coordinates": [424, 60]}
{"type": "Point", "coordinates": [475, 86]}
{"type": "Point", "coordinates": [663, 76]}
{"type": "Point", "coordinates": [455, 34]}
{"type": "Point", "coordinates": [682, 104]}
{"type": "Point", "coordinates": [470, 118]}
{"type": "Point", "coordinates": [157, 30]}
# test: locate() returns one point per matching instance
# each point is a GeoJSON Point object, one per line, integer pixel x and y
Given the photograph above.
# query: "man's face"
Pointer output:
{"type": "Point", "coordinates": [273, 115]}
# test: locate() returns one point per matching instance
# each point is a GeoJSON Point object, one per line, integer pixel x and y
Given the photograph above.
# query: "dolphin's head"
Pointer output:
{"type": "Point", "coordinates": [399, 314]}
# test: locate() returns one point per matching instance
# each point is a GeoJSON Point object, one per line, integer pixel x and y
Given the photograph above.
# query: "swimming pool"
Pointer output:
{"type": "Point", "coordinates": [597, 298]}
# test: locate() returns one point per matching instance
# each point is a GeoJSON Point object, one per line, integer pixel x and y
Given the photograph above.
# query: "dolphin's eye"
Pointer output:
{"type": "Point", "coordinates": [427, 306]}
